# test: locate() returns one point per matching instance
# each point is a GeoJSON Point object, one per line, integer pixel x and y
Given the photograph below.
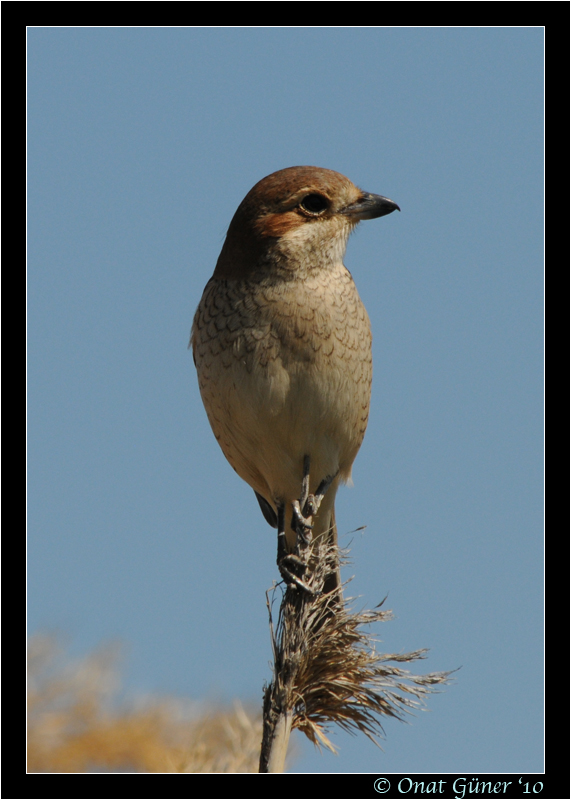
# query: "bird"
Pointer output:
{"type": "Point", "coordinates": [282, 346]}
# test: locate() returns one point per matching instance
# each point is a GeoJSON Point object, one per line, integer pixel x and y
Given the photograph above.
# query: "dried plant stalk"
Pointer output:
{"type": "Point", "coordinates": [328, 671]}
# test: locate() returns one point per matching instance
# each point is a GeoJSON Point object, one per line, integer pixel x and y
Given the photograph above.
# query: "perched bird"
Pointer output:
{"type": "Point", "coordinates": [282, 343]}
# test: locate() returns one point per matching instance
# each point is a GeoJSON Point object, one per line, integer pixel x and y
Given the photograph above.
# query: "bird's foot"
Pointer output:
{"type": "Point", "coordinates": [290, 578]}
{"type": "Point", "coordinates": [301, 522]}
{"type": "Point", "coordinates": [308, 504]}
{"type": "Point", "coordinates": [290, 565]}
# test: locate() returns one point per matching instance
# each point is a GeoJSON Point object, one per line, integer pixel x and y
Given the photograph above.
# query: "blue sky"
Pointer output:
{"type": "Point", "coordinates": [141, 144]}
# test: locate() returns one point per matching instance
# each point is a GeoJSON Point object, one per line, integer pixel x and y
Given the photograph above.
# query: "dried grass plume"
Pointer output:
{"type": "Point", "coordinates": [327, 670]}
{"type": "Point", "coordinates": [76, 724]}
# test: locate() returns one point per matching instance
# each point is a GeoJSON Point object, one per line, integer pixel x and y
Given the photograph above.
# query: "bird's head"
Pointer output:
{"type": "Point", "coordinates": [295, 218]}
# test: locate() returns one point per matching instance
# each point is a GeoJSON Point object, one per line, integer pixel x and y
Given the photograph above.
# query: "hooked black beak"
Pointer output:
{"type": "Point", "coordinates": [370, 206]}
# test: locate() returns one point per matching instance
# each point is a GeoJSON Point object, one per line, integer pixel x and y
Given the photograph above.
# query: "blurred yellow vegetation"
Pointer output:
{"type": "Point", "coordinates": [76, 725]}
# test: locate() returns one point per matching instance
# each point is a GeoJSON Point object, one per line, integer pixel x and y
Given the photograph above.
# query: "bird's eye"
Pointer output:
{"type": "Point", "coordinates": [314, 204]}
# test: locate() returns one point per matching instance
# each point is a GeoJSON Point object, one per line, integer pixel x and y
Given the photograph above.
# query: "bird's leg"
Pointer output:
{"type": "Point", "coordinates": [282, 551]}
{"type": "Point", "coordinates": [300, 521]}
{"type": "Point", "coordinates": [305, 482]}
{"type": "Point", "coordinates": [287, 562]}
{"type": "Point", "coordinates": [314, 500]}
{"type": "Point", "coordinates": [307, 506]}
{"type": "Point", "coordinates": [304, 511]}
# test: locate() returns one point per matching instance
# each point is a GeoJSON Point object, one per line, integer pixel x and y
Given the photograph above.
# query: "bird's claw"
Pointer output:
{"type": "Point", "coordinates": [290, 579]}
{"type": "Point", "coordinates": [301, 523]}
{"type": "Point", "coordinates": [295, 561]}
{"type": "Point", "coordinates": [312, 504]}
{"type": "Point", "coordinates": [292, 565]}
